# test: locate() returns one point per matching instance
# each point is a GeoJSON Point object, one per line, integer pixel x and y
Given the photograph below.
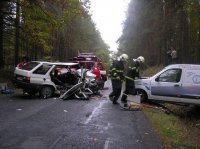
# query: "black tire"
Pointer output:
{"type": "Point", "coordinates": [46, 92]}
{"type": "Point", "coordinates": [144, 96]}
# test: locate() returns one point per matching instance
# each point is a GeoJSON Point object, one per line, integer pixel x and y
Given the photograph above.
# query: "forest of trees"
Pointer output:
{"type": "Point", "coordinates": [51, 30]}
{"type": "Point", "coordinates": [153, 26]}
{"type": "Point", "coordinates": [55, 30]}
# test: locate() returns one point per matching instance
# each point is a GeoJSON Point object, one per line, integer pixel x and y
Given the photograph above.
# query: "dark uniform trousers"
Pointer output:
{"type": "Point", "coordinates": [129, 89]}
{"type": "Point", "coordinates": [116, 74]}
{"type": "Point", "coordinates": [117, 86]}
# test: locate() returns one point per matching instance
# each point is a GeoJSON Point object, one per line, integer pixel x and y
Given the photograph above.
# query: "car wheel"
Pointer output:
{"type": "Point", "coordinates": [143, 94]}
{"type": "Point", "coordinates": [46, 92]}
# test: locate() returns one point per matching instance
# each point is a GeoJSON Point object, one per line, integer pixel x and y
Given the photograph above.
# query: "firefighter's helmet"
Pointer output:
{"type": "Point", "coordinates": [124, 57]}
{"type": "Point", "coordinates": [141, 59]}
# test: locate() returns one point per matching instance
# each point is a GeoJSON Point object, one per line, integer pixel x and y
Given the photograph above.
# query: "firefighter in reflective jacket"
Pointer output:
{"type": "Point", "coordinates": [132, 72]}
{"type": "Point", "coordinates": [116, 74]}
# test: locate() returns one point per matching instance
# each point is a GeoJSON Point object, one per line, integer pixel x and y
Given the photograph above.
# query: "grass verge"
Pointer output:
{"type": "Point", "coordinates": [176, 131]}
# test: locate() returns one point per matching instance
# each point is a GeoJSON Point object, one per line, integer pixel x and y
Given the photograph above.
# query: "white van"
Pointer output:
{"type": "Point", "coordinates": [177, 83]}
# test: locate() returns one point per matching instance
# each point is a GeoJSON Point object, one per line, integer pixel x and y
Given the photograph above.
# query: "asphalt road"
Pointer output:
{"type": "Point", "coordinates": [33, 123]}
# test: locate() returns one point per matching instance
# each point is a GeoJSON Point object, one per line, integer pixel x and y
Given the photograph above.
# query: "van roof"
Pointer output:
{"type": "Point", "coordinates": [184, 66]}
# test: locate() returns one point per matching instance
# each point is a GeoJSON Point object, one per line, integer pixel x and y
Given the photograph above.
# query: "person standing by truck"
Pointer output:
{"type": "Point", "coordinates": [95, 70]}
{"type": "Point", "coordinates": [116, 73]}
{"type": "Point", "coordinates": [132, 72]}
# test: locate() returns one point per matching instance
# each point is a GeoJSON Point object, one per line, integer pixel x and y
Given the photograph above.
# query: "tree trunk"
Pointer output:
{"type": "Point", "coordinates": [1, 34]}
{"type": "Point", "coordinates": [17, 21]}
{"type": "Point", "coordinates": [198, 55]}
{"type": "Point", "coordinates": [186, 56]}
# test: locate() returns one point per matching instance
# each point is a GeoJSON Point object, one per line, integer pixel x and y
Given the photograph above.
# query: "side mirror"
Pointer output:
{"type": "Point", "coordinates": [157, 79]}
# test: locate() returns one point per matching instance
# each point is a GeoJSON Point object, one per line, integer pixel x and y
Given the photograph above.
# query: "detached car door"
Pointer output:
{"type": "Point", "coordinates": [167, 85]}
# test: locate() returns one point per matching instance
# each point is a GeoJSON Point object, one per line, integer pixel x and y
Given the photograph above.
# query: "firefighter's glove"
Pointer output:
{"type": "Point", "coordinates": [115, 74]}
{"type": "Point", "coordinates": [118, 78]}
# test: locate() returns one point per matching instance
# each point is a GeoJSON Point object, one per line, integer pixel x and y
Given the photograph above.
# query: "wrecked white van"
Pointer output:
{"type": "Point", "coordinates": [177, 83]}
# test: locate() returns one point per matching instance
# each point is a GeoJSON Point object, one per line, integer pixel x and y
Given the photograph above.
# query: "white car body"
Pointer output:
{"type": "Point", "coordinates": [178, 83]}
{"type": "Point", "coordinates": [38, 76]}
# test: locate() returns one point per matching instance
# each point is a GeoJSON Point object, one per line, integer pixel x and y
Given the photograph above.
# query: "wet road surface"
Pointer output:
{"type": "Point", "coordinates": [33, 123]}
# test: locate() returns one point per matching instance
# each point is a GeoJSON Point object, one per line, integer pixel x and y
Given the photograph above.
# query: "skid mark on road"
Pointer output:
{"type": "Point", "coordinates": [56, 142]}
{"type": "Point", "coordinates": [106, 145]}
{"type": "Point", "coordinates": [94, 112]}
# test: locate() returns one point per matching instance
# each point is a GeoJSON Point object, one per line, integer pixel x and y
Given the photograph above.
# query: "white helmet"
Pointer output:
{"type": "Point", "coordinates": [140, 59]}
{"type": "Point", "coordinates": [124, 57]}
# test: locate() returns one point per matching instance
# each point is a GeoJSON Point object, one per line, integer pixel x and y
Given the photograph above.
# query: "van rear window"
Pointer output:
{"type": "Point", "coordinates": [30, 66]}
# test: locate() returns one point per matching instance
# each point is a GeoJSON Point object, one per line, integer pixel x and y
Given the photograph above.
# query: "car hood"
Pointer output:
{"type": "Point", "coordinates": [142, 80]}
{"type": "Point", "coordinates": [143, 83]}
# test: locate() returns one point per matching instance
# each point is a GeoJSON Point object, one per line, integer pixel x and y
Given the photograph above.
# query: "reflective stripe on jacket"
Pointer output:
{"type": "Point", "coordinates": [132, 72]}
{"type": "Point", "coordinates": [117, 70]}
